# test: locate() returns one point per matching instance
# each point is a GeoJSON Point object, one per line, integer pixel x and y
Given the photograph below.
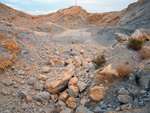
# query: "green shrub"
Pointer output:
{"type": "Point", "coordinates": [99, 61]}
{"type": "Point", "coordinates": [135, 43]}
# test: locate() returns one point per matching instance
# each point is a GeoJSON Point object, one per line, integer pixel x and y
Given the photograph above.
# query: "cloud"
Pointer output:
{"type": "Point", "coordinates": [14, 6]}
{"type": "Point", "coordinates": [35, 7]}
{"type": "Point", "coordinates": [39, 12]}
{"type": "Point", "coordinates": [87, 1]}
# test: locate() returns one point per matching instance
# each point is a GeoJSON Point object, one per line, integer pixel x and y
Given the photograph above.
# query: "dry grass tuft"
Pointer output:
{"type": "Point", "coordinates": [6, 62]}
{"type": "Point", "coordinates": [135, 43]}
{"type": "Point", "coordinates": [145, 53]}
{"type": "Point", "coordinates": [123, 71]}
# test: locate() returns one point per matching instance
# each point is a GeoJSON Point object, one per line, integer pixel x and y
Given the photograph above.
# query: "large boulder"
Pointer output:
{"type": "Point", "coordinates": [109, 70]}
{"type": "Point", "coordinates": [58, 85]}
{"type": "Point", "coordinates": [141, 33]}
{"type": "Point", "coordinates": [97, 93]}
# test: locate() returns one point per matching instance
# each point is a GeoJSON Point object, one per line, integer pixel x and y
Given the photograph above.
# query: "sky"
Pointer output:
{"type": "Point", "coordinates": [38, 7]}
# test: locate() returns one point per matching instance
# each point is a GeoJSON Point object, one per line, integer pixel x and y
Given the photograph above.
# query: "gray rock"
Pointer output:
{"type": "Point", "coordinates": [134, 16]}
{"type": "Point", "coordinates": [97, 109]}
{"type": "Point", "coordinates": [82, 109]}
{"type": "Point", "coordinates": [71, 91]}
{"type": "Point", "coordinates": [60, 106]}
{"type": "Point", "coordinates": [123, 91]}
{"type": "Point", "coordinates": [124, 98]}
{"type": "Point", "coordinates": [145, 81]}
{"type": "Point", "coordinates": [21, 72]}
{"type": "Point", "coordinates": [103, 106]}
{"type": "Point", "coordinates": [67, 110]}
{"type": "Point", "coordinates": [42, 97]}
{"type": "Point", "coordinates": [7, 82]}
{"type": "Point", "coordinates": [4, 91]}
{"type": "Point", "coordinates": [31, 82]}
{"type": "Point", "coordinates": [83, 101]}
{"type": "Point", "coordinates": [81, 86]}
{"type": "Point", "coordinates": [71, 66]}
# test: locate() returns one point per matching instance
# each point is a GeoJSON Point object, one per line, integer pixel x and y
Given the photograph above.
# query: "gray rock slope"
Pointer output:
{"type": "Point", "coordinates": [137, 15]}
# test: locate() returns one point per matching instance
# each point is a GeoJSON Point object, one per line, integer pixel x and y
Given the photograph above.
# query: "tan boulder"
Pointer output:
{"type": "Point", "coordinates": [69, 61]}
{"type": "Point", "coordinates": [141, 33]}
{"type": "Point", "coordinates": [42, 77]}
{"type": "Point", "coordinates": [58, 85]}
{"type": "Point", "coordinates": [82, 51]}
{"type": "Point", "coordinates": [121, 37]}
{"type": "Point", "coordinates": [48, 52]}
{"type": "Point", "coordinates": [53, 62]}
{"type": "Point", "coordinates": [97, 93]}
{"type": "Point", "coordinates": [45, 69]}
{"type": "Point", "coordinates": [71, 102]}
{"type": "Point", "coordinates": [86, 60]}
{"type": "Point", "coordinates": [63, 96]}
{"type": "Point", "coordinates": [26, 69]}
{"type": "Point", "coordinates": [62, 63]}
{"type": "Point", "coordinates": [78, 63]}
{"type": "Point", "coordinates": [73, 82]}
{"type": "Point", "coordinates": [109, 70]}
{"type": "Point", "coordinates": [28, 99]}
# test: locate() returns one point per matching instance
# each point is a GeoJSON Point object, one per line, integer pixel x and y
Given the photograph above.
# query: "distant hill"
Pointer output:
{"type": "Point", "coordinates": [136, 15]}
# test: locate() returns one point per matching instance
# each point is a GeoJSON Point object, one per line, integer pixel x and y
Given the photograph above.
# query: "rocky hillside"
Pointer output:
{"type": "Point", "coordinates": [137, 15]}
{"type": "Point", "coordinates": [76, 16]}
{"type": "Point", "coordinates": [45, 67]}
{"type": "Point", "coordinates": [11, 17]}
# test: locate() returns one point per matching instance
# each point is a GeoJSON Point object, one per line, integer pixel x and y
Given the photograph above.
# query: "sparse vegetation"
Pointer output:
{"type": "Point", "coordinates": [99, 61]}
{"type": "Point", "coordinates": [123, 71]}
{"type": "Point", "coordinates": [6, 62]}
{"type": "Point", "coordinates": [135, 43]}
{"type": "Point", "coordinates": [145, 53]}
{"type": "Point", "coordinates": [9, 44]}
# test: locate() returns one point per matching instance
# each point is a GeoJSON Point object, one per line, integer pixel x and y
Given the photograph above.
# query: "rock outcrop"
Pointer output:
{"type": "Point", "coordinates": [58, 85]}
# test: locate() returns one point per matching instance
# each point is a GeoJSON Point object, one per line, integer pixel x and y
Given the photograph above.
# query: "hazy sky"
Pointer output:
{"type": "Point", "coordinates": [36, 7]}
